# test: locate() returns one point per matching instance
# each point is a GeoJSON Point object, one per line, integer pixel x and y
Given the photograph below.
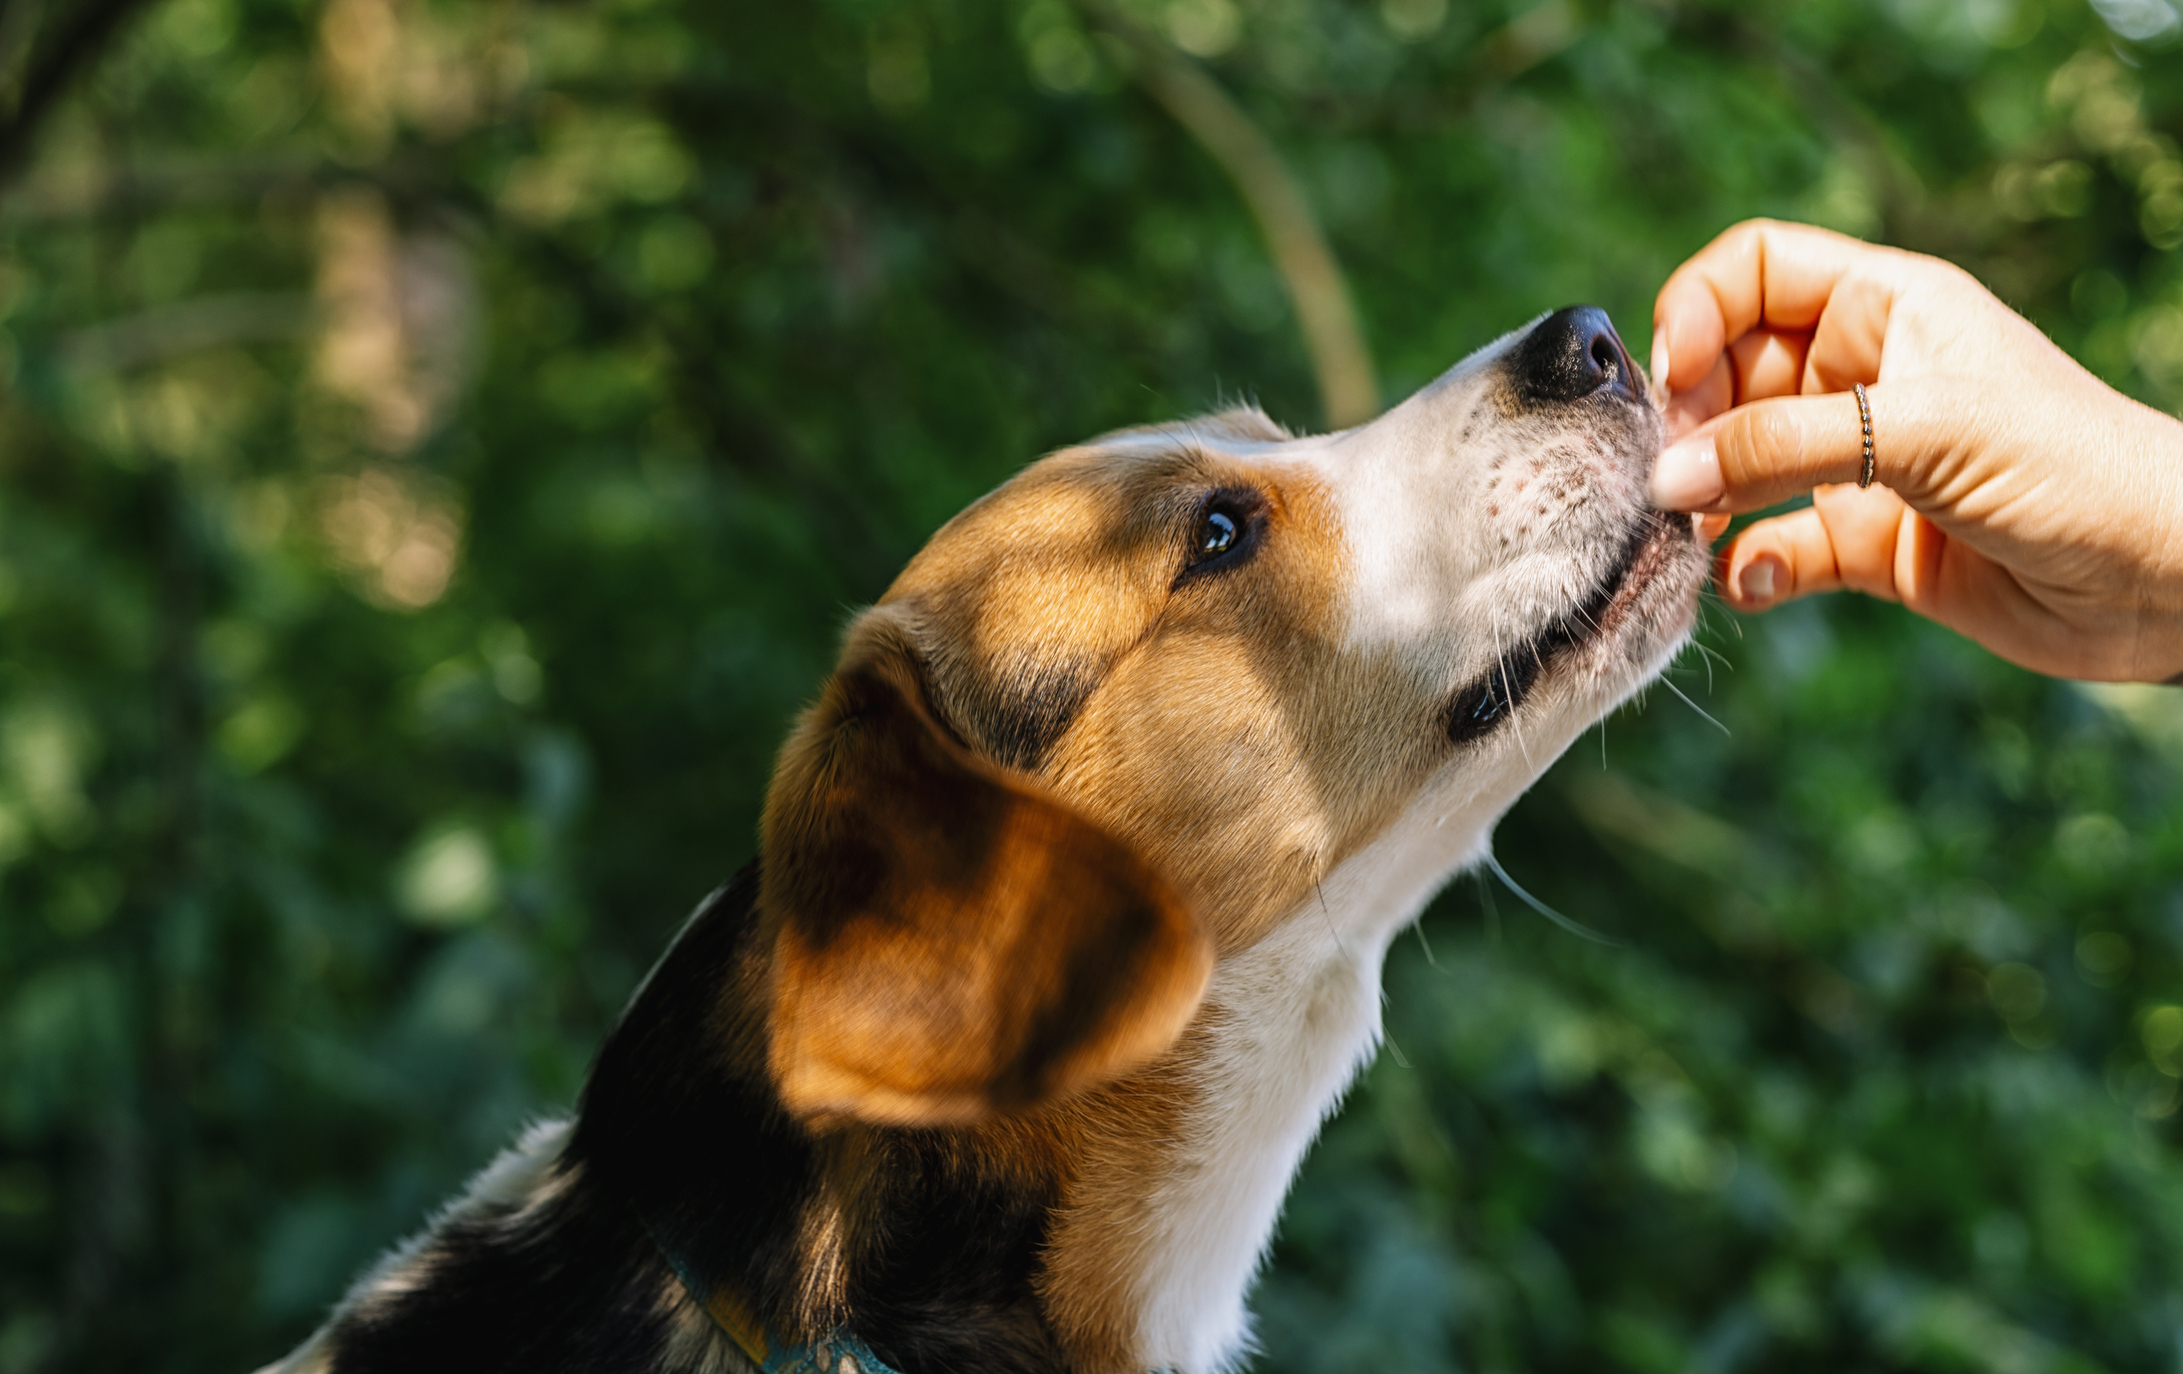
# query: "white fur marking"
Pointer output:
{"type": "Point", "coordinates": [1295, 1018]}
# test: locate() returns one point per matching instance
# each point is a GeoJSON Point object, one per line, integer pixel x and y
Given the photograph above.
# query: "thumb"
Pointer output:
{"type": "Point", "coordinates": [1765, 452]}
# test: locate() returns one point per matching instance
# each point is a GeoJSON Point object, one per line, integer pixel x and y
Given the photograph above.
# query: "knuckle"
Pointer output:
{"type": "Point", "coordinates": [1777, 440]}
{"type": "Point", "coordinates": [1757, 444]}
{"type": "Point", "coordinates": [1946, 273]}
{"type": "Point", "coordinates": [1743, 235]}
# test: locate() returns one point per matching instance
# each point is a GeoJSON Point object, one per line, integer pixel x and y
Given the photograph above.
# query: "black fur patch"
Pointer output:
{"type": "Point", "coordinates": [573, 1292]}
{"type": "Point", "coordinates": [724, 1175]}
{"type": "Point", "coordinates": [1020, 717]}
{"type": "Point", "coordinates": [678, 1145]}
{"type": "Point", "coordinates": [1494, 697]}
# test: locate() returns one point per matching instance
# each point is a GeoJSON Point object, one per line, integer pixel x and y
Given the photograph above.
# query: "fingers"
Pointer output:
{"type": "Point", "coordinates": [1858, 540]}
{"type": "Point", "coordinates": [1768, 362]}
{"type": "Point", "coordinates": [1688, 410]}
{"type": "Point", "coordinates": [1757, 272]}
{"type": "Point", "coordinates": [1762, 363]}
{"type": "Point", "coordinates": [1781, 277]}
{"type": "Point", "coordinates": [1772, 450]}
{"type": "Point", "coordinates": [1761, 454]}
{"type": "Point", "coordinates": [1869, 541]}
{"type": "Point", "coordinates": [1778, 560]}
{"type": "Point", "coordinates": [1766, 452]}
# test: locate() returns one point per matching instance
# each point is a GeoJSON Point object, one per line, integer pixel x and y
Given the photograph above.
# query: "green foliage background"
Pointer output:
{"type": "Point", "coordinates": [439, 443]}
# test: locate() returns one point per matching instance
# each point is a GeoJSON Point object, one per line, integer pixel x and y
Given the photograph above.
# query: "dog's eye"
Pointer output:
{"type": "Point", "coordinates": [1224, 535]}
{"type": "Point", "coordinates": [1216, 534]}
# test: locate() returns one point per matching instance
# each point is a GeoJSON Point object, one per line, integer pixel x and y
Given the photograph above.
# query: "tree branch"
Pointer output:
{"type": "Point", "coordinates": [52, 68]}
{"type": "Point", "coordinates": [1340, 360]}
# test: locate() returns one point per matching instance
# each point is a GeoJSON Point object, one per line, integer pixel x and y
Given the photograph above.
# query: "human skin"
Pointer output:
{"type": "Point", "coordinates": [2017, 499]}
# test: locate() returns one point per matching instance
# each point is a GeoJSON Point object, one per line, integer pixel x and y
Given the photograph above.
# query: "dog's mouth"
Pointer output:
{"type": "Point", "coordinates": [1498, 692]}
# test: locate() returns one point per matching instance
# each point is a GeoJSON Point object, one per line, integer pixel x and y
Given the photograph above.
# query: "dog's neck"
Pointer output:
{"type": "Point", "coordinates": [1289, 1024]}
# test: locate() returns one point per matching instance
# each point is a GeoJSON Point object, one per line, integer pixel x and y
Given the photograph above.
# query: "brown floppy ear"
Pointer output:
{"type": "Point", "coordinates": [947, 942]}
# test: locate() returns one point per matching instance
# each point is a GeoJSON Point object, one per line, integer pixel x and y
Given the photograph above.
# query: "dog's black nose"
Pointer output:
{"type": "Point", "coordinates": [1571, 354]}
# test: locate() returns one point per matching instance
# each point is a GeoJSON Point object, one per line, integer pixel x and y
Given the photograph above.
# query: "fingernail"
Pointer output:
{"type": "Point", "coordinates": [1688, 476]}
{"type": "Point", "coordinates": [1756, 583]}
{"type": "Point", "coordinates": [1660, 359]}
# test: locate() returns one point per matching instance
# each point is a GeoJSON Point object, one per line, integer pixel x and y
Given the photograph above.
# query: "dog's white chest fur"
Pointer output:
{"type": "Point", "coordinates": [1293, 1020]}
{"type": "Point", "coordinates": [1291, 1028]}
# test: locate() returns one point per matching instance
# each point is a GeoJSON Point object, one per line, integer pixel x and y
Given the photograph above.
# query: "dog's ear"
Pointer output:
{"type": "Point", "coordinates": [947, 942]}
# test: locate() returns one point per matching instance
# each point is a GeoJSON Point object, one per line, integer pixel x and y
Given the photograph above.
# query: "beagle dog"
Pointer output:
{"type": "Point", "coordinates": [1073, 889]}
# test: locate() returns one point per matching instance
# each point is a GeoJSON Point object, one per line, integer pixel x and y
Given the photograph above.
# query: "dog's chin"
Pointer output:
{"type": "Point", "coordinates": [1647, 614]}
{"type": "Point", "coordinates": [1600, 650]}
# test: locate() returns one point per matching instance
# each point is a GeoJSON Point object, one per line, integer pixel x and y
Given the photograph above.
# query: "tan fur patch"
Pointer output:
{"type": "Point", "coordinates": [1225, 730]}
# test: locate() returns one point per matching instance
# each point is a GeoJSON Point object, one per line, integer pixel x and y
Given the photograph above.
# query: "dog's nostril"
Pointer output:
{"type": "Point", "coordinates": [1603, 358]}
{"type": "Point", "coordinates": [1570, 355]}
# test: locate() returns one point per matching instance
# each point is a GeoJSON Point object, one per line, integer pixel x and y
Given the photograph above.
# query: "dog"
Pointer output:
{"type": "Point", "coordinates": [1072, 894]}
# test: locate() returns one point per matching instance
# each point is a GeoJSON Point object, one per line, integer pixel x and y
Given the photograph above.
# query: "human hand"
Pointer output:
{"type": "Point", "coordinates": [2017, 499]}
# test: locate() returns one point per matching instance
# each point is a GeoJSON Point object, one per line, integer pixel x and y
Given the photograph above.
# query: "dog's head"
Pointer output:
{"type": "Point", "coordinates": [1123, 715]}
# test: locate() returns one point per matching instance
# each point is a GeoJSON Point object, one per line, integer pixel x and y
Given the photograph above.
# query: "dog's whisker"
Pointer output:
{"type": "Point", "coordinates": [1574, 927]}
{"type": "Point", "coordinates": [1508, 691]}
{"type": "Point", "coordinates": [1713, 655]}
{"type": "Point", "coordinates": [1664, 682]}
{"type": "Point", "coordinates": [1320, 888]}
{"type": "Point", "coordinates": [1682, 662]}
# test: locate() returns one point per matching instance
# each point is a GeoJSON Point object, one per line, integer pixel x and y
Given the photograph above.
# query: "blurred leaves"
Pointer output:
{"type": "Point", "coordinates": [438, 443]}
